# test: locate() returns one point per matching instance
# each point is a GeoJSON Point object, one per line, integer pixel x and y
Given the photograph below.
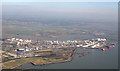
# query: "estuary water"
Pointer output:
{"type": "Point", "coordinates": [95, 59]}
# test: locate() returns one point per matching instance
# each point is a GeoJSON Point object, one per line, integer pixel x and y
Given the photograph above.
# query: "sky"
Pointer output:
{"type": "Point", "coordinates": [62, 11]}
{"type": "Point", "coordinates": [60, 0]}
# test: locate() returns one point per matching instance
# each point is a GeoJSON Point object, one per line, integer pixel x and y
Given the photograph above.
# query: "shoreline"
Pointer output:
{"type": "Point", "coordinates": [70, 58]}
{"type": "Point", "coordinates": [72, 55]}
{"type": "Point", "coordinates": [42, 64]}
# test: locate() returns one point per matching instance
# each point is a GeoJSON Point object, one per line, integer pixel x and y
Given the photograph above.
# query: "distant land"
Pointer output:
{"type": "Point", "coordinates": [61, 20]}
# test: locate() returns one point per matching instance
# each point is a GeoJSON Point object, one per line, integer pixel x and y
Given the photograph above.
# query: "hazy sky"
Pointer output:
{"type": "Point", "coordinates": [47, 11]}
{"type": "Point", "coordinates": [60, 0]}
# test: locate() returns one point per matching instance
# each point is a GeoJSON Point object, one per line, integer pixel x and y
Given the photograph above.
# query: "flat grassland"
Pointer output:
{"type": "Point", "coordinates": [36, 61]}
{"type": "Point", "coordinates": [61, 56]}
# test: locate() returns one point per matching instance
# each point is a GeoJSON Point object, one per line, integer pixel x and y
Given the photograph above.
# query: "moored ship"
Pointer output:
{"type": "Point", "coordinates": [108, 47]}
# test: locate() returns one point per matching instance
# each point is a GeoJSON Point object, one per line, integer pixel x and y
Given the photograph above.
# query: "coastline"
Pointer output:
{"type": "Point", "coordinates": [29, 60]}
